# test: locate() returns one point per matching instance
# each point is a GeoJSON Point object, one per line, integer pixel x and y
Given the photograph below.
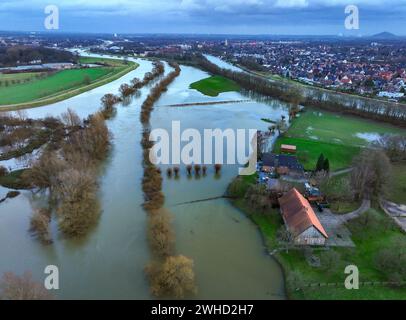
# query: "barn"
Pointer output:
{"type": "Point", "coordinates": [301, 220]}
{"type": "Point", "coordinates": [286, 148]}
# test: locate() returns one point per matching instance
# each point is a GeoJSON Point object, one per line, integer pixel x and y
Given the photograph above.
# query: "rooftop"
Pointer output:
{"type": "Point", "coordinates": [299, 214]}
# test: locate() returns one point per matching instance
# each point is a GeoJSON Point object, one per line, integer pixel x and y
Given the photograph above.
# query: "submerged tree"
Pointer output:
{"type": "Point", "coordinates": [160, 233]}
{"type": "Point", "coordinates": [40, 221]}
{"type": "Point", "coordinates": [174, 278]}
{"type": "Point", "coordinates": [78, 209]}
{"type": "Point", "coordinates": [13, 287]}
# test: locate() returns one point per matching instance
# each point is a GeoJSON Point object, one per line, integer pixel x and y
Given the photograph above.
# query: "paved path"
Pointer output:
{"type": "Point", "coordinates": [366, 205]}
{"type": "Point", "coordinates": [340, 172]}
{"type": "Point", "coordinates": [335, 225]}
{"type": "Point", "coordinates": [396, 211]}
{"type": "Point", "coordinates": [338, 233]}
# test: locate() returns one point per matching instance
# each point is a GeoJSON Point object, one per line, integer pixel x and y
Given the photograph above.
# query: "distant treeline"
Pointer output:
{"type": "Point", "coordinates": [22, 55]}
{"type": "Point", "coordinates": [367, 108]}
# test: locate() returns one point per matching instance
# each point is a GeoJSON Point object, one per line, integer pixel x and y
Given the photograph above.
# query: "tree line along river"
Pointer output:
{"type": "Point", "coordinates": [229, 255]}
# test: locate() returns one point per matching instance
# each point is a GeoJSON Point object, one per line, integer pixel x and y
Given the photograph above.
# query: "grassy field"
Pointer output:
{"type": "Point", "coordinates": [215, 85]}
{"type": "Point", "coordinates": [338, 137]}
{"type": "Point", "coordinates": [17, 77]}
{"type": "Point", "coordinates": [104, 61]}
{"type": "Point", "coordinates": [397, 191]}
{"type": "Point", "coordinates": [335, 128]}
{"type": "Point", "coordinates": [61, 81]}
{"type": "Point", "coordinates": [340, 156]}
{"type": "Point", "coordinates": [63, 84]}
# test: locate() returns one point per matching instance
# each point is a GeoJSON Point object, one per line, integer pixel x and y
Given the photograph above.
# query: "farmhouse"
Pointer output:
{"type": "Point", "coordinates": [301, 220]}
{"type": "Point", "coordinates": [282, 164]}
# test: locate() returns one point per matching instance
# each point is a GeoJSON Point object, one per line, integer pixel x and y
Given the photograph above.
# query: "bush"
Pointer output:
{"type": "Point", "coordinates": [79, 208]}
{"type": "Point", "coordinates": [237, 188]}
{"type": "Point", "coordinates": [174, 278]}
{"type": "Point", "coordinates": [391, 261]}
{"type": "Point", "coordinates": [13, 287]}
{"type": "Point", "coordinates": [160, 234]}
{"type": "Point", "coordinates": [40, 221]}
{"type": "Point", "coordinates": [330, 261]}
{"type": "Point", "coordinates": [3, 171]}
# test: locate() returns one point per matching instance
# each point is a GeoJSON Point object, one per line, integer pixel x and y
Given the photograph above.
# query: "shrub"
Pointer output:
{"type": "Point", "coordinates": [160, 233]}
{"type": "Point", "coordinates": [174, 278]}
{"type": "Point", "coordinates": [3, 171]}
{"type": "Point", "coordinates": [78, 209]}
{"type": "Point", "coordinates": [13, 287]}
{"type": "Point", "coordinates": [40, 221]}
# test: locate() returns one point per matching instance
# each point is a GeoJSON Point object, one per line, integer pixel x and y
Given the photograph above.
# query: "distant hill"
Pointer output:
{"type": "Point", "coordinates": [384, 35]}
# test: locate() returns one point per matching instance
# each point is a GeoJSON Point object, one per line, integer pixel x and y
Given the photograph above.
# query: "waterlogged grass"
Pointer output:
{"type": "Point", "coordinates": [338, 129]}
{"type": "Point", "coordinates": [215, 85]}
{"type": "Point", "coordinates": [338, 137]}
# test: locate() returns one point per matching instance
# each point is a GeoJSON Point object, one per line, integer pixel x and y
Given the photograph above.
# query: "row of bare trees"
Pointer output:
{"type": "Point", "coordinates": [109, 100]}
{"type": "Point", "coordinates": [169, 275]}
{"type": "Point", "coordinates": [69, 174]}
{"type": "Point", "coordinates": [127, 90]}
{"type": "Point", "coordinates": [156, 92]}
{"type": "Point", "coordinates": [367, 108]}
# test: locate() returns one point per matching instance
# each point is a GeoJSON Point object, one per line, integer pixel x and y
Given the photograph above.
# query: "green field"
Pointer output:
{"type": "Point", "coordinates": [397, 191]}
{"type": "Point", "coordinates": [105, 61]}
{"type": "Point", "coordinates": [336, 136]}
{"type": "Point", "coordinates": [215, 85]}
{"type": "Point", "coordinates": [340, 156]}
{"type": "Point", "coordinates": [17, 77]}
{"type": "Point", "coordinates": [63, 84]}
{"type": "Point", "coordinates": [61, 81]}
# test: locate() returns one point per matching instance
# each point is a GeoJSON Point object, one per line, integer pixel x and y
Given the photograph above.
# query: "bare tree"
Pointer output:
{"type": "Point", "coordinates": [174, 278]}
{"type": "Point", "coordinates": [160, 233]}
{"type": "Point", "coordinates": [13, 287]}
{"type": "Point", "coordinates": [40, 225]}
{"type": "Point", "coordinates": [78, 208]}
{"type": "Point", "coordinates": [71, 119]}
{"type": "Point", "coordinates": [44, 171]}
{"type": "Point", "coordinates": [371, 174]}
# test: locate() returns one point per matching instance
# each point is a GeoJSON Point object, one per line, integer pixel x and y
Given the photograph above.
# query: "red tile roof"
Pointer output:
{"type": "Point", "coordinates": [299, 214]}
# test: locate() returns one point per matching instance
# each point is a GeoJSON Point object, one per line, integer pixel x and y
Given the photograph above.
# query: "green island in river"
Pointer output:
{"type": "Point", "coordinates": [215, 85]}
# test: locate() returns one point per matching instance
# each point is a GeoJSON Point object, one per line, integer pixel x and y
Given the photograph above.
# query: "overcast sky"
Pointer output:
{"type": "Point", "coordinates": [297, 17]}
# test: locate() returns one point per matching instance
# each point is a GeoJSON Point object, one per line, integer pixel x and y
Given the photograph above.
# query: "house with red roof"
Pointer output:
{"type": "Point", "coordinates": [301, 221]}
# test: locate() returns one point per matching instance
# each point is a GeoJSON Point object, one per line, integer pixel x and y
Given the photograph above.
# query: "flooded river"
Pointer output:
{"type": "Point", "coordinates": [229, 255]}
